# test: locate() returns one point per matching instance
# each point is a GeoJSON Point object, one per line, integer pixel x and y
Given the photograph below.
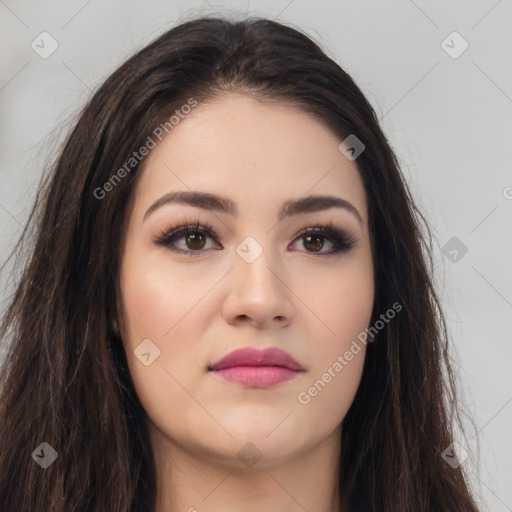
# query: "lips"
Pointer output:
{"type": "Point", "coordinates": [255, 368]}
{"type": "Point", "coordinates": [257, 357]}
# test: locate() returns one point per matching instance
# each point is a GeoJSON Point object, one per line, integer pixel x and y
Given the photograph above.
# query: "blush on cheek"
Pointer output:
{"type": "Point", "coordinates": [152, 307]}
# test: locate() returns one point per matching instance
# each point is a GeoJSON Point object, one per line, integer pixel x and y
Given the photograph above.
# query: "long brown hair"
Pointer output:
{"type": "Point", "coordinates": [64, 379]}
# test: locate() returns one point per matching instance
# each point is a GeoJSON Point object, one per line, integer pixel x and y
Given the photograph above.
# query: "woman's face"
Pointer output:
{"type": "Point", "coordinates": [255, 281]}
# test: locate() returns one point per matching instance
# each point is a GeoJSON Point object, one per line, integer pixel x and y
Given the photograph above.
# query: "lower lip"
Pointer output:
{"type": "Point", "coordinates": [257, 376]}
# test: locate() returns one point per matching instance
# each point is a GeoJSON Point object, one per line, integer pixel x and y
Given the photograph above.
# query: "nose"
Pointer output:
{"type": "Point", "coordinates": [259, 295]}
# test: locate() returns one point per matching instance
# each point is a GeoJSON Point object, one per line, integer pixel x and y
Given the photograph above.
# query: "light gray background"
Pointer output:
{"type": "Point", "coordinates": [449, 121]}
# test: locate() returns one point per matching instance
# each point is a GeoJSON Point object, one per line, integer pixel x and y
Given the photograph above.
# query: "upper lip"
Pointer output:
{"type": "Point", "coordinates": [257, 357]}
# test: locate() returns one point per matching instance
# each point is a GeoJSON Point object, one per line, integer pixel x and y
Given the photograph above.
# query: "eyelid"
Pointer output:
{"type": "Point", "coordinates": [339, 237]}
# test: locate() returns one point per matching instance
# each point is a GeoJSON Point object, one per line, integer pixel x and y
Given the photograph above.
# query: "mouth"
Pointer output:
{"type": "Point", "coordinates": [257, 376]}
{"type": "Point", "coordinates": [257, 368]}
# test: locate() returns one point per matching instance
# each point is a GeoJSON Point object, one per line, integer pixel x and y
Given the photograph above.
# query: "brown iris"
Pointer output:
{"type": "Point", "coordinates": [314, 247]}
{"type": "Point", "coordinates": [195, 241]}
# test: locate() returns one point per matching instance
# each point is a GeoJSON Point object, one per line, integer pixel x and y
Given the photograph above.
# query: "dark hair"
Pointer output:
{"type": "Point", "coordinates": [65, 379]}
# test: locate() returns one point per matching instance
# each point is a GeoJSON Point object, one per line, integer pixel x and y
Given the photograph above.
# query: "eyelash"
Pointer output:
{"type": "Point", "coordinates": [341, 240]}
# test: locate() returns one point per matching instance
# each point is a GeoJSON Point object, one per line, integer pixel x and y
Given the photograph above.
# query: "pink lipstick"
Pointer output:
{"type": "Point", "coordinates": [257, 368]}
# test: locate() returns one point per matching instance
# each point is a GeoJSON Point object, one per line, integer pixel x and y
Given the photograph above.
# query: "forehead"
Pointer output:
{"type": "Point", "coordinates": [253, 152]}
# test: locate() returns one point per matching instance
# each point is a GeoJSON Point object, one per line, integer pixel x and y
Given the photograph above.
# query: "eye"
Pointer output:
{"type": "Point", "coordinates": [313, 239]}
{"type": "Point", "coordinates": [194, 237]}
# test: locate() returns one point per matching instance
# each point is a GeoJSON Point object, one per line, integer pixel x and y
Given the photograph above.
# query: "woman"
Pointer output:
{"type": "Point", "coordinates": [229, 302]}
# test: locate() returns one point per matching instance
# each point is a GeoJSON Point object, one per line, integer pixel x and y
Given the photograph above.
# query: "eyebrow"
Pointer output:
{"type": "Point", "coordinates": [213, 202]}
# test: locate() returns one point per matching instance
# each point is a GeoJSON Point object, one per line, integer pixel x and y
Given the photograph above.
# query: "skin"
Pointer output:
{"type": "Point", "coordinates": [197, 309]}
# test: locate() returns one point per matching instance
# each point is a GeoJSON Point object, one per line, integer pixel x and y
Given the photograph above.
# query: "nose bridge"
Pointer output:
{"type": "Point", "coordinates": [256, 264]}
{"type": "Point", "coordinates": [258, 290]}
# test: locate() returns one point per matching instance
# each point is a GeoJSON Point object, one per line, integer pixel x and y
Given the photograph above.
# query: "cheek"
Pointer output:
{"type": "Point", "coordinates": [330, 387]}
{"type": "Point", "coordinates": [165, 305]}
{"type": "Point", "coordinates": [150, 306]}
{"type": "Point", "coordinates": [338, 303]}
{"type": "Point", "coordinates": [345, 304]}
{"type": "Point", "coordinates": [158, 301]}
{"type": "Point", "coordinates": [330, 391]}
